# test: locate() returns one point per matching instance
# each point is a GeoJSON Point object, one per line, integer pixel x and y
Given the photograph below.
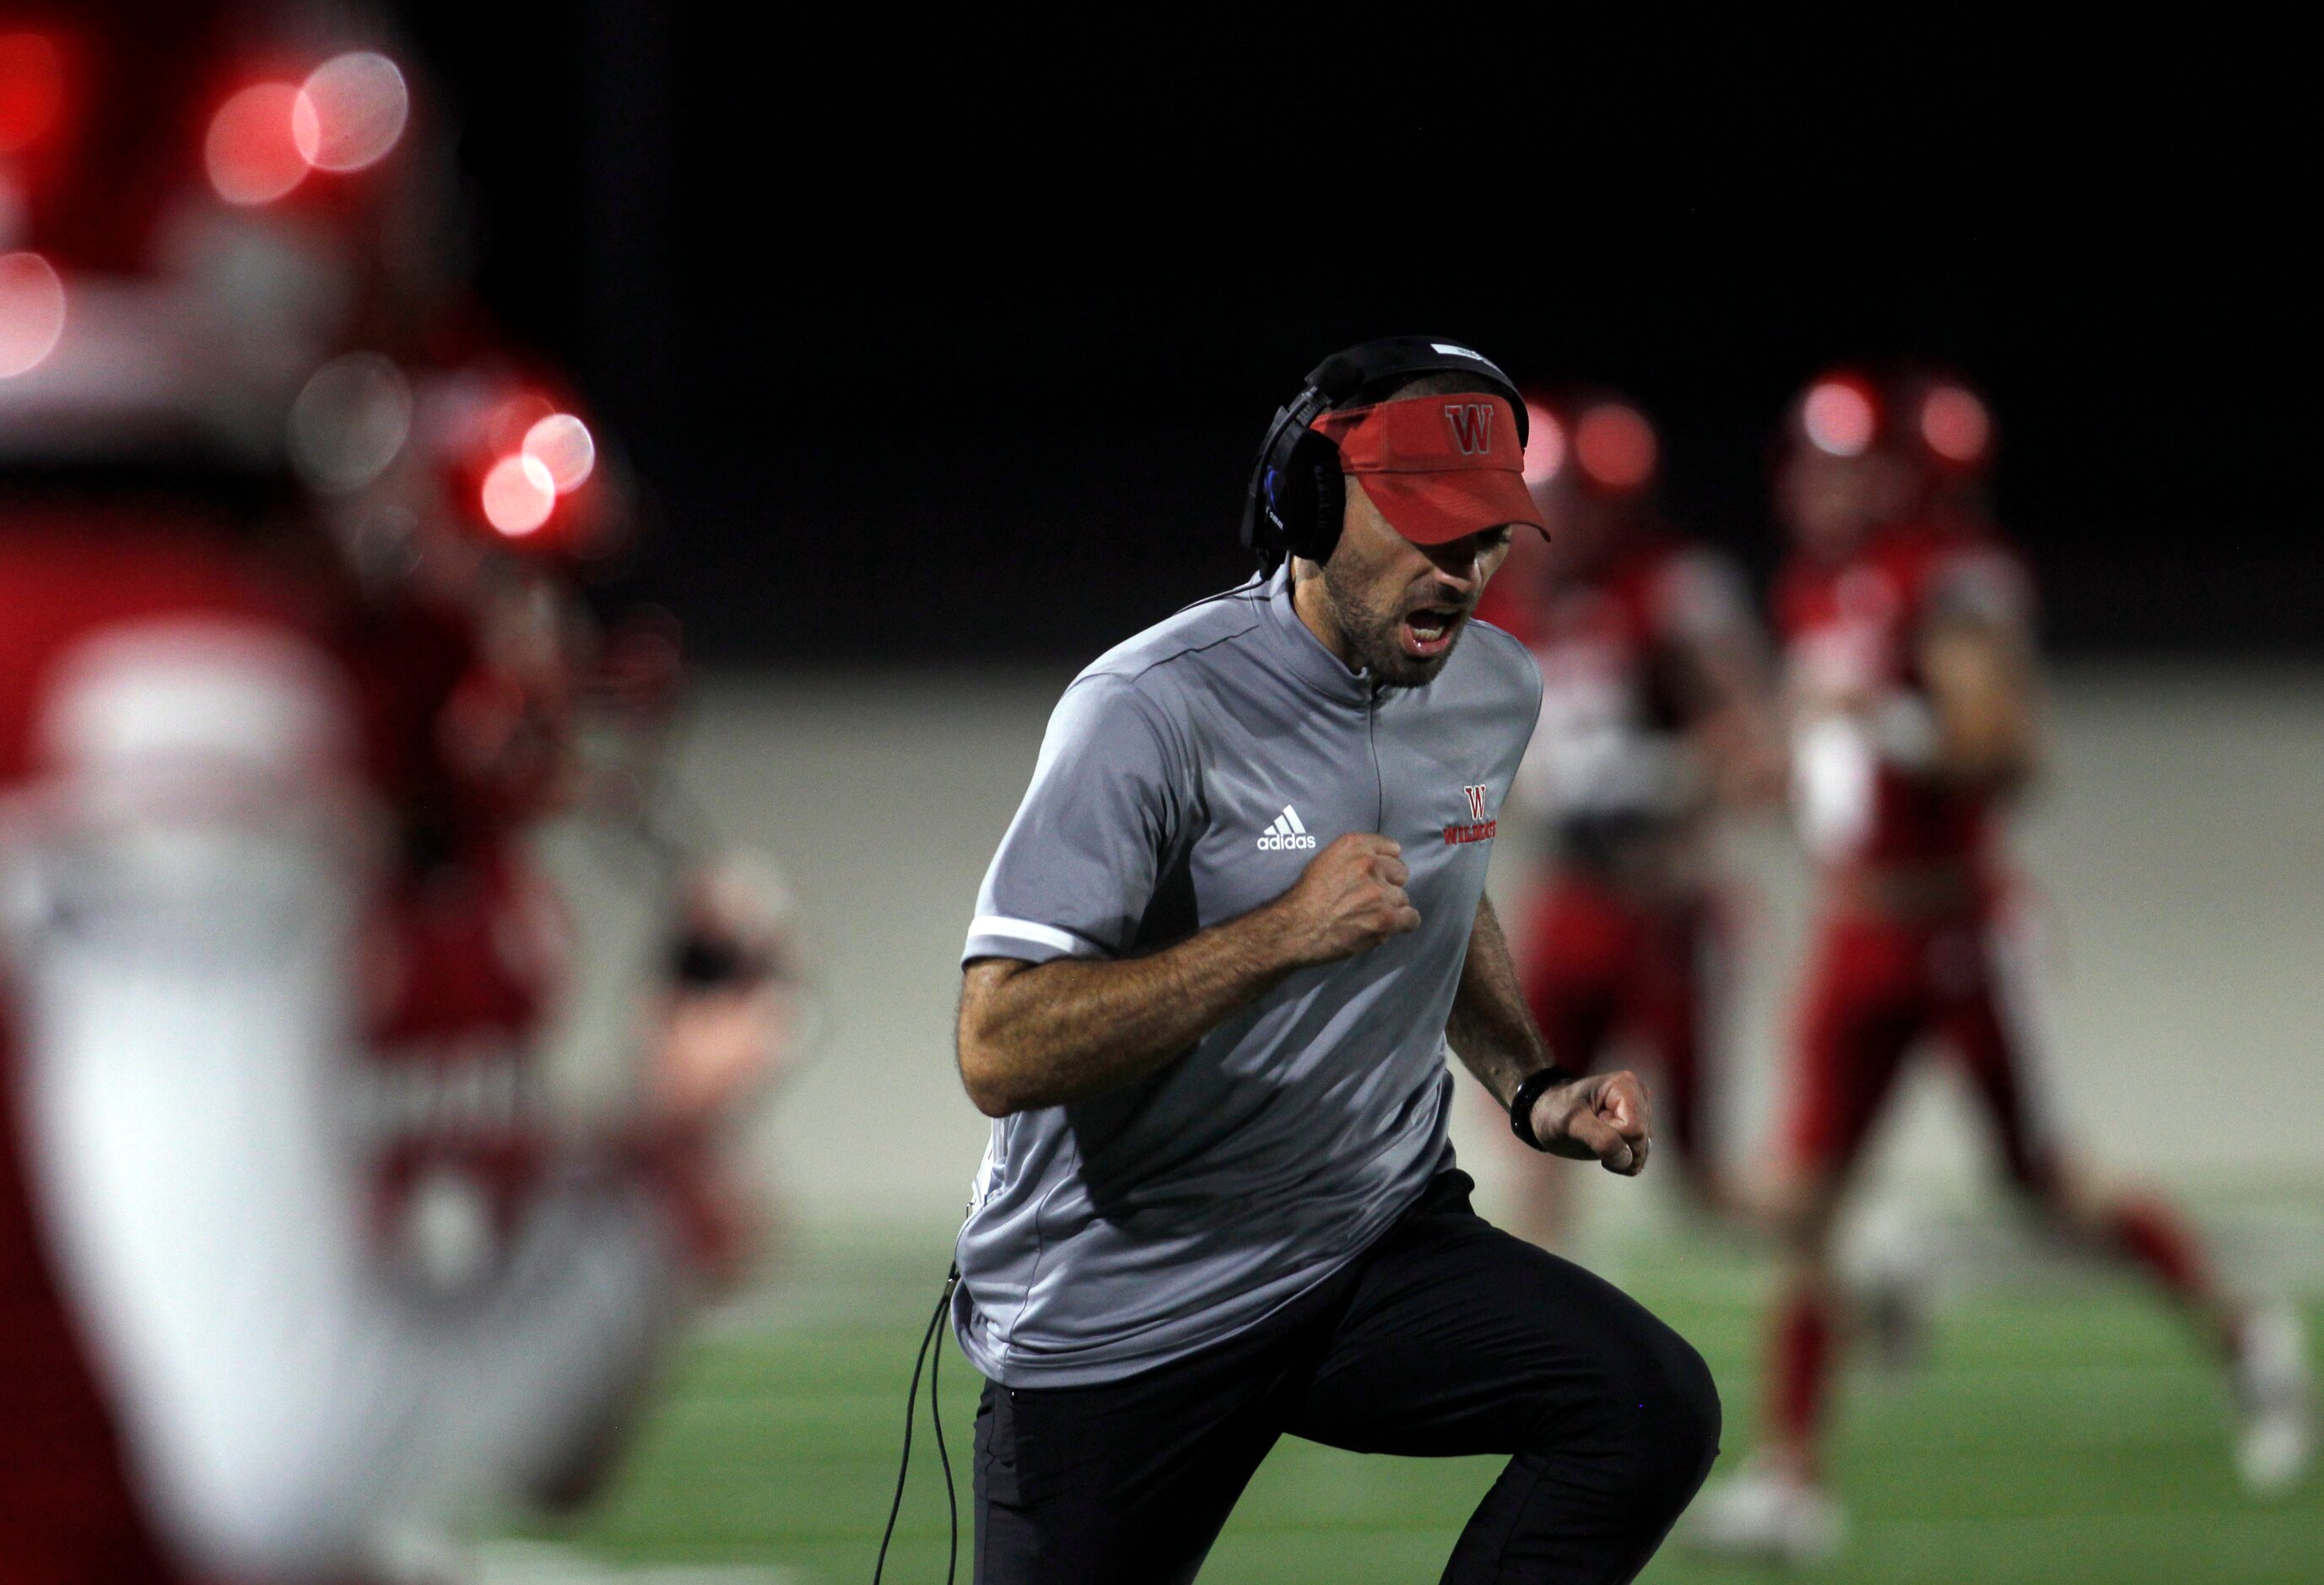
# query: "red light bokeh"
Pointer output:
{"type": "Point", "coordinates": [31, 312]}
{"type": "Point", "coordinates": [1544, 452]}
{"type": "Point", "coordinates": [1956, 426]}
{"type": "Point", "coordinates": [1615, 445]}
{"type": "Point", "coordinates": [31, 90]}
{"type": "Point", "coordinates": [253, 150]}
{"type": "Point", "coordinates": [1839, 418]}
{"type": "Point", "coordinates": [519, 494]}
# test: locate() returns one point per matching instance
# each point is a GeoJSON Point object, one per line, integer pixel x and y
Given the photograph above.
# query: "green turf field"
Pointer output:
{"type": "Point", "coordinates": [2064, 1431]}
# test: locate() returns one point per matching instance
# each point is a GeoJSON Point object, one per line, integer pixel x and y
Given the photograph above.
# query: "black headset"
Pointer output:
{"type": "Point", "coordinates": [1295, 499]}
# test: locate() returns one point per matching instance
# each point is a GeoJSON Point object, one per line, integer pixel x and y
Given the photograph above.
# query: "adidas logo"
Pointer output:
{"type": "Point", "coordinates": [1286, 832]}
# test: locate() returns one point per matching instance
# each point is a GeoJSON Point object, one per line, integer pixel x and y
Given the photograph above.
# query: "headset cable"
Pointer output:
{"type": "Point", "coordinates": [929, 1340]}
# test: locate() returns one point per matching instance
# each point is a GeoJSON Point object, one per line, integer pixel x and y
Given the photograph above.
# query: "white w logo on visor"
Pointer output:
{"type": "Point", "coordinates": [1473, 426]}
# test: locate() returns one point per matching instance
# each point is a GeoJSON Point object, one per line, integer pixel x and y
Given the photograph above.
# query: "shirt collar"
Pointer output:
{"type": "Point", "coordinates": [1302, 653]}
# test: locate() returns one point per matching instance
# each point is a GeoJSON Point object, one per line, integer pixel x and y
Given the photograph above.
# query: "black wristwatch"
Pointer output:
{"type": "Point", "coordinates": [1529, 1092]}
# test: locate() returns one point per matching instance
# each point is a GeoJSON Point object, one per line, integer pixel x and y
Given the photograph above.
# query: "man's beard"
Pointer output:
{"type": "Point", "coordinates": [1371, 633]}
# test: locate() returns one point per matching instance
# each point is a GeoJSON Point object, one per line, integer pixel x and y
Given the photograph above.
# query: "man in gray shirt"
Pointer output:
{"type": "Point", "coordinates": [1209, 991]}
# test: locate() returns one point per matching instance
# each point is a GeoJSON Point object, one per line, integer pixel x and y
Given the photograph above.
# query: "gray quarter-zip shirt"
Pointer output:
{"type": "Point", "coordinates": [1188, 777]}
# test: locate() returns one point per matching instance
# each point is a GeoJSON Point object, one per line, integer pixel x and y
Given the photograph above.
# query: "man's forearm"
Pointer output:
{"type": "Point", "coordinates": [1490, 1029]}
{"type": "Point", "coordinates": [1981, 694]}
{"type": "Point", "coordinates": [1057, 1032]}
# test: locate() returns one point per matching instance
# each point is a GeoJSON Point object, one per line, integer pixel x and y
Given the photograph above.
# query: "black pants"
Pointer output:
{"type": "Point", "coordinates": [1446, 1337]}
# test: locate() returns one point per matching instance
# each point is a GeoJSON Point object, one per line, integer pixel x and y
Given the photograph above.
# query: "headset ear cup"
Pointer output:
{"type": "Point", "coordinates": [1261, 507]}
{"type": "Point", "coordinates": [1331, 509]}
{"type": "Point", "coordinates": [1315, 497]}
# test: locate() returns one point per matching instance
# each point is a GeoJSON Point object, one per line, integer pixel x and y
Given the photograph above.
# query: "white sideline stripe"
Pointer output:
{"type": "Point", "coordinates": [1292, 814]}
{"type": "Point", "coordinates": [1009, 929]}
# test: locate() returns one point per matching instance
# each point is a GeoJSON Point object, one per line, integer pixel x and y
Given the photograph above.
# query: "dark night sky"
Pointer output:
{"type": "Point", "coordinates": [979, 375]}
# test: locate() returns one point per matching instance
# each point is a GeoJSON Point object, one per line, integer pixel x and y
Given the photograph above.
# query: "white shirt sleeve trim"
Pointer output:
{"type": "Point", "coordinates": [1047, 935]}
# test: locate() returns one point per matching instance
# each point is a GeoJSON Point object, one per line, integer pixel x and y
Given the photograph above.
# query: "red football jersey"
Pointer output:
{"type": "Point", "coordinates": [1863, 737]}
{"type": "Point", "coordinates": [1610, 741]}
{"type": "Point", "coordinates": [458, 954]}
{"type": "Point", "coordinates": [68, 1508]}
{"type": "Point", "coordinates": [461, 959]}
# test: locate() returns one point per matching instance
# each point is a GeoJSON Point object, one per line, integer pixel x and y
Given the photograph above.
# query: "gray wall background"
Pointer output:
{"type": "Point", "coordinates": [2176, 855]}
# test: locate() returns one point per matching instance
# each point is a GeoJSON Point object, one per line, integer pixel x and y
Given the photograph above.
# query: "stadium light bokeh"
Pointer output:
{"type": "Point", "coordinates": [31, 312]}
{"type": "Point", "coordinates": [1615, 445]}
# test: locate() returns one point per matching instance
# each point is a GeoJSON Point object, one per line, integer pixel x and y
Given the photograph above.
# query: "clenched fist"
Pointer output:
{"type": "Point", "coordinates": [1348, 900]}
{"type": "Point", "coordinates": [1601, 1117]}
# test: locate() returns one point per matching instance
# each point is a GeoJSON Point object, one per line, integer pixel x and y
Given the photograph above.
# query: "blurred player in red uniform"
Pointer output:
{"type": "Point", "coordinates": [292, 1257]}
{"type": "Point", "coordinates": [1653, 714]}
{"type": "Point", "coordinates": [1911, 675]}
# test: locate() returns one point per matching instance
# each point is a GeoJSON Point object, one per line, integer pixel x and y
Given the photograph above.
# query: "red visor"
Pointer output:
{"type": "Point", "coordinates": [1438, 467]}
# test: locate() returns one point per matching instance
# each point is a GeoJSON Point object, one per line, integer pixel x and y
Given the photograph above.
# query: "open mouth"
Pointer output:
{"type": "Point", "coordinates": [1428, 631]}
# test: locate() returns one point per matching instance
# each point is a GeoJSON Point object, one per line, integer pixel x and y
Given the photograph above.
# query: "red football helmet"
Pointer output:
{"type": "Point", "coordinates": [197, 207]}
{"type": "Point", "coordinates": [1592, 463]}
{"type": "Point", "coordinates": [225, 269]}
{"type": "Point", "coordinates": [1946, 427]}
{"type": "Point", "coordinates": [1846, 467]}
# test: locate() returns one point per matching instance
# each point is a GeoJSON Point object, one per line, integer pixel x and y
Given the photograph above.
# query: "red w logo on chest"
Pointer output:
{"type": "Point", "coordinates": [1479, 828]}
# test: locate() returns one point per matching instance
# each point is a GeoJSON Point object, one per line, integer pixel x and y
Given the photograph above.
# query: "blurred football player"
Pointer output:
{"type": "Point", "coordinates": [291, 1256]}
{"type": "Point", "coordinates": [1912, 690]}
{"type": "Point", "coordinates": [1655, 713]}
